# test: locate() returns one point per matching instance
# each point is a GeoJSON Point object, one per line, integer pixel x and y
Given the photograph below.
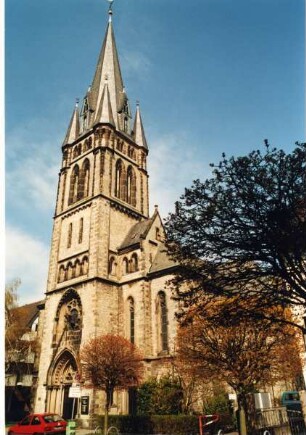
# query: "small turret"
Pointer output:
{"type": "Point", "coordinates": [105, 113]}
{"type": "Point", "coordinates": [138, 130]}
{"type": "Point", "coordinates": [74, 126]}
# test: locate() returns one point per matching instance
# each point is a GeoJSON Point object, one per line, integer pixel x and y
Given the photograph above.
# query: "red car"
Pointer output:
{"type": "Point", "coordinates": [46, 423]}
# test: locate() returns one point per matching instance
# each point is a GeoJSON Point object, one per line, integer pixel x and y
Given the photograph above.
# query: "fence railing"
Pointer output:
{"type": "Point", "coordinates": [279, 421]}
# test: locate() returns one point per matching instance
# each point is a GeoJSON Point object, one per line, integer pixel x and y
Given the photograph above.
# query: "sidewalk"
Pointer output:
{"type": "Point", "coordinates": [91, 431]}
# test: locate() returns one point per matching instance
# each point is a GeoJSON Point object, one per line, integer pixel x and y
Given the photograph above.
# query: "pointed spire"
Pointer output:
{"type": "Point", "coordinates": [105, 113]}
{"type": "Point", "coordinates": [74, 126]}
{"type": "Point", "coordinates": [139, 135]}
{"type": "Point", "coordinates": [108, 65]}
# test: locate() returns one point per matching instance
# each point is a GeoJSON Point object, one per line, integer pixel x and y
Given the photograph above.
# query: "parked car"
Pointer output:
{"type": "Point", "coordinates": [46, 423]}
{"type": "Point", "coordinates": [291, 400]}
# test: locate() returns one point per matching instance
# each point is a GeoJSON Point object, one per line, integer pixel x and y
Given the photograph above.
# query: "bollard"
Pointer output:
{"type": "Point", "coordinates": [71, 427]}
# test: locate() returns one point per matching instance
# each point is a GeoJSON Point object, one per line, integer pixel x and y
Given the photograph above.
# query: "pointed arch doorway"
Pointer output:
{"type": "Point", "coordinates": [63, 374]}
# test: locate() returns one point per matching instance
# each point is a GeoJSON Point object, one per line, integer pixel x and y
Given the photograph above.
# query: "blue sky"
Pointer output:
{"type": "Point", "coordinates": [211, 76]}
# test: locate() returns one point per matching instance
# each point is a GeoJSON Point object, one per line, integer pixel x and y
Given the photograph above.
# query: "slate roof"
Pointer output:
{"type": "Point", "coordinates": [162, 260]}
{"type": "Point", "coordinates": [108, 66]}
{"type": "Point", "coordinates": [29, 312]}
{"type": "Point", "coordinates": [136, 233]}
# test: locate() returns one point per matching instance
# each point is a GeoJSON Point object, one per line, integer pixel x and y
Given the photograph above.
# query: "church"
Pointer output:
{"type": "Point", "coordinates": [108, 267]}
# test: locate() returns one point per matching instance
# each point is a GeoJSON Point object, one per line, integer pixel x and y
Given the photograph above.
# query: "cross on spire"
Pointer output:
{"type": "Point", "coordinates": [110, 11]}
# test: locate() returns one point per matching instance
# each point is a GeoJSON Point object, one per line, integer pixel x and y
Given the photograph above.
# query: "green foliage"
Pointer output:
{"type": "Point", "coordinates": [160, 397]}
{"type": "Point", "coordinates": [154, 424]}
{"type": "Point", "coordinates": [217, 404]}
{"type": "Point", "coordinates": [248, 222]}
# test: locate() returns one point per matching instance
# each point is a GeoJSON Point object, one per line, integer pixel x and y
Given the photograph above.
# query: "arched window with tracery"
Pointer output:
{"type": "Point", "coordinates": [131, 186]}
{"type": "Point", "coordinates": [68, 319]}
{"type": "Point", "coordinates": [131, 319]}
{"type": "Point", "coordinates": [162, 321]}
{"type": "Point", "coordinates": [74, 182]}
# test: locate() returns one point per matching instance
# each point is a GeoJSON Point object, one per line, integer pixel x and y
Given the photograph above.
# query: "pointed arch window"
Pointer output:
{"type": "Point", "coordinates": [83, 188]}
{"type": "Point", "coordinates": [84, 266]}
{"type": "Point", "coordinates": [118, 181]}
{"type": "Point", "coordinates": [125, 266]}
{"type": "Point", "coordinates": [74, 182]}
{"type": "Point", "coordinates": [112, 266]}
{"type": "Point", "coordinates": [77, 268]}
{"type": "Point", "coordinates": [69, 239]}
{"type": "Point", "coordinates": [125, 124]}
{"type": "Point", "coordinates": [70, 271]}
{"type": "Point", "coordinates": [131, 186]}
{"type": "Point", "coordinates": [134, 263]}
{"type": "Point", "coordinates": [119, 145]}
{"type": "Point", "coordinates": [61, 274]}
{"type": "Point", "coordinates": [163, 321]}
{"type": "Point", "coordinates": [131, 307]}
{"type": "Point", "coordinates": [81, 225]}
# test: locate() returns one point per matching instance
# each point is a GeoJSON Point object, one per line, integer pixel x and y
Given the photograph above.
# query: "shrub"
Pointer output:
{"type": "Point", "coordinates": [161, 424]}
{"type": "Point", "coordinates": [160, 397]}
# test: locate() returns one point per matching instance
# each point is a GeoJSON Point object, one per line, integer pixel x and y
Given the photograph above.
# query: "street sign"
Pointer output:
{"type": "Point", "coordinates": [75, 392]}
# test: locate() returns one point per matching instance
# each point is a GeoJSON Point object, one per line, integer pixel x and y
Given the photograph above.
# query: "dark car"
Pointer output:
{"type": "Point", "coordinates": [46, 423]}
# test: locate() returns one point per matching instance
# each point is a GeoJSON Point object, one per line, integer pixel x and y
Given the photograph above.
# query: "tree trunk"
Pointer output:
{"type": "Point", "coordinates": [109, 395]}
{"type": "Point", "coordinates": [246, 414]}
{"type": "Point", "coordinates": [106, 419]}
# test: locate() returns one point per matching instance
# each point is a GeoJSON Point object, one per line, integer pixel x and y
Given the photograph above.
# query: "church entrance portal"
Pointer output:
{"type": "Point", "coordinates": [63, 376]}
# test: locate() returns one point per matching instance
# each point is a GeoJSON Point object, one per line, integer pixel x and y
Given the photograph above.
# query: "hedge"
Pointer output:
{"type": "Point", "coordinates": [157, 424]}
{"type": "Point", "coordinates": [153, 424]}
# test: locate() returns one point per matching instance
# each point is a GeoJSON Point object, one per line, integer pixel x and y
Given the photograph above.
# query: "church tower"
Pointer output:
{"type": "Point", "coordinates": [108, 265]}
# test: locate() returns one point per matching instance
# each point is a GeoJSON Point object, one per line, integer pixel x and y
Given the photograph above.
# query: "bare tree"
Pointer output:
{"type": "Point", "coordinates": [20, 343]}
{"type": "Point", "coordinates": [111, 362]}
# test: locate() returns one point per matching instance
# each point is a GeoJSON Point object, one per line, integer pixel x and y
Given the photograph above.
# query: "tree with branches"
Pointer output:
{"type": "Point", "coordinates": [20, 343]}
{"type": "Point", "coordinates": [243, 232]}
{"type": "Point", "coordinates": [111, 362]}
{"type": "Point", "coordinates": [247, 356]}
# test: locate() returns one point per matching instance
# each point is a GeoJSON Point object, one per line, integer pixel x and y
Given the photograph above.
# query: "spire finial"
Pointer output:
{"type": "Point", "coordinates": [110, 11]}
{"type": "Point", "coordinates": [137, 103]}
{"type": "Point", "coordinates": [77, 100]}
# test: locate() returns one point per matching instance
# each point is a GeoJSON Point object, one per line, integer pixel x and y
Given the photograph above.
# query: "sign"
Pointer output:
{"type": "Point", "coordinates": [232, 396]}
{"type": "Point", "coordinates": [75, 392]}
{"type": "Point", "coordinates": [85, 405]}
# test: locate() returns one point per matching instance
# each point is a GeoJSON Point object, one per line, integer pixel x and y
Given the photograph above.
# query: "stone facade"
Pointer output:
{"type": "Point", "coordinates": [108, 266]}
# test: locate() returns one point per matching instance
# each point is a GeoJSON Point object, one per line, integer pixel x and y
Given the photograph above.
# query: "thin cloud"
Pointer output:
{"type": "Point", "coordinates": [135, 62]}
{"type": "Point", "coordinates": [27, 259]}
{"type": "Point", "coordinates": [32, 181]}
{"type": "Point", "coordinates": [31, 175]}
